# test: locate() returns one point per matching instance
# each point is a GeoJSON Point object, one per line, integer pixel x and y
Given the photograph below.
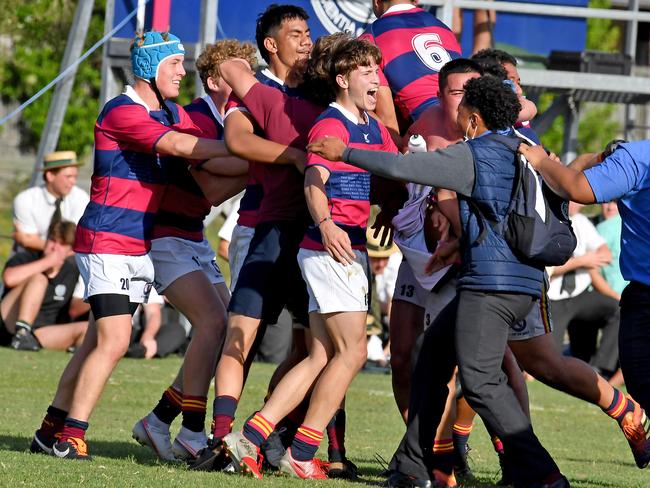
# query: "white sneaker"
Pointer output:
{"type": "Point", "coordinates": [187, 444]}
{"type": "Point", "coordinates": [151, 432]}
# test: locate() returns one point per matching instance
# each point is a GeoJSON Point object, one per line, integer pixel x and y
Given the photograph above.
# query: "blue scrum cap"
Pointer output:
{"type": "Point", "coordinates": [152, 49]}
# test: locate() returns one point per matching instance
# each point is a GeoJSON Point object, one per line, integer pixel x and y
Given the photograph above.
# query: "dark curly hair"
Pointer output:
{"type": "Point", "coordinates": [498, 105]}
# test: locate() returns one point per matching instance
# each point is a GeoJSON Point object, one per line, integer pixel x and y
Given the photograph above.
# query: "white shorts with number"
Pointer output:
{"type": "Point", "coordinates": [116, 274]}
{"type": "Point", "coordinates": [407, 287]}
{"type": "Point", "coordinates": [174, 257]}
{"type": "Point", "coordinates": [332, 286]}
{"type": "Point", "coordinates": [237, 251]}
{"type": "Point", "coordinates": [436, 301]}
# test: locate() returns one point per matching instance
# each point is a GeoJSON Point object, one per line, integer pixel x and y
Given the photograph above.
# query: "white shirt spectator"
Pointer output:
{"type": "Point", "coordinates": [34, 207]}
{"type": "Point", "coordinates": [385, 282]}
{"type": "Point", "coordinates": [232, 216]}
{"type": "Point", "coordinates": [588, 240]}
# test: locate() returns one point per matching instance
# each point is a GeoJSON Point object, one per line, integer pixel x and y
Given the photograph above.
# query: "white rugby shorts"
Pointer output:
{"type": "Point", "coordinates": [407, 287]}
{"type": "Point", "coordinates": [174, 257]}
{"type": "Point", "coordinates": [116, 274]}
{"type": "Point", "coordinates": [237, 251]}
{"type": "Point", "coordinates": [332, 286]}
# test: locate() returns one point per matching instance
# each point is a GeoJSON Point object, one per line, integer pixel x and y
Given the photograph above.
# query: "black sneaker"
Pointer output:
{"type": "Point", "coordinates": [461, 464]}
{"type": "Point", "coordinates": [344, 470]}
{"type": "Point", "coordinates": [25, 340]}
{"type": "Point", "coordinates": [506, 476]}
{"type": "Point", "coordinates": [211, 458]}
{"type": "Point", "coordinates": [41, 444]}
{"type": "Point", "coordinates": [401, 480]}
{"type": "Point", "coordinates": [72, 448]}
{"type": "Point", "coordinates": [273, 450]}
{"type": "Point", "coordinates": [562, 482]}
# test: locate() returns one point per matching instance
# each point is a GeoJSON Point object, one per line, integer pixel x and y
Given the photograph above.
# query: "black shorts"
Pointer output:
{"type": "Point", "coordinates": [270, 278]}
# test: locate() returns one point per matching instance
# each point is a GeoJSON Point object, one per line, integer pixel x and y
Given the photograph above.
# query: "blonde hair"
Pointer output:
{"type": "Point", "coordinates": [213, 55]}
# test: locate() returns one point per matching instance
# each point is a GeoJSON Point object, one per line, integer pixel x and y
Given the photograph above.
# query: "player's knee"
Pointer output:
{"type": "Point", "coordinates": [355, 355]}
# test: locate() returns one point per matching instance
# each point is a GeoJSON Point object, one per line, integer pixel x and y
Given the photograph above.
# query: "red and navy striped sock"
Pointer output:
{"type": "Point", "coordinates": [257, 429]}
{"type": "Point", "coordinates": [306, 443]}
{"type": "Point", "coordinates": [443, 455]}
{"type": "Point", "coordinates": [53, 422]}
{"type": "Point", "coordinates": [74, 428]}
{"type": "Point", "coordinates": [336, 437]}
{"type": "Point", "coordinates": [460, 436]}
{"type": "Point", "coordinates": [194, 412]}
{"type": "Point", "coordinates": [498, 445]}
{"type": "Point", "coordinates": [619, 407]}
{"type": "Point", "coordinates": [169, 406]}
{"type": "Point", "coordinates": [223, 408]}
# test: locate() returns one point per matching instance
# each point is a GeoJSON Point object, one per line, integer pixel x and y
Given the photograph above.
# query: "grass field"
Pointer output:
{"type": "Point", "coordinates": [587, 445]}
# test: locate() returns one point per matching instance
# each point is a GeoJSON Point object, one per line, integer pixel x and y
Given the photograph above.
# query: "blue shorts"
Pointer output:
{"type": "Point", "coordinates": [270, 278]}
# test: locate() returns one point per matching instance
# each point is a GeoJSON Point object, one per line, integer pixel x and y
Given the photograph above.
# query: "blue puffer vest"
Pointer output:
{"type": "Point", "coordinates": [490, 265]}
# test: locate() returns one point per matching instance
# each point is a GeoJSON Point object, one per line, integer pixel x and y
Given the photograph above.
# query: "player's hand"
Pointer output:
{"type": "Point", "coordinates": [447, 252]}
{"type": "Point", "coordinates": [150, 348]}
{"type": "Point", "coordinates": [336, 242]}
{"type": "Point", "coordinates": [55, 253]}
{"type": "Point", "coordinates": [330, 148]}
{"type": "Point", "coordinates": [554, 157]}
{"type": "Point", "coordinates": [533, 154]}
{"type": "Point", "coordinates": [383, 225]}
{"type": "Point", "coordinates": [596, 259]}
{"type": "Point", "coordinates": [441, 224]}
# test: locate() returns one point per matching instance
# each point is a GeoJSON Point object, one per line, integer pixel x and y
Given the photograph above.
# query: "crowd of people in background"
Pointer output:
{"type": "Point", "coordinates": [365, 181]}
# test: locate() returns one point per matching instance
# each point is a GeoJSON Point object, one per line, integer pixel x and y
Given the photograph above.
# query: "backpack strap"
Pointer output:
{"type": "Point", "coordinates": [511, 143]}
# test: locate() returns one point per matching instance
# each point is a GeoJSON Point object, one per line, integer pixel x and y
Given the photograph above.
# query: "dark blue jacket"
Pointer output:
{"type": "Point", "coordinates": [490, 265]}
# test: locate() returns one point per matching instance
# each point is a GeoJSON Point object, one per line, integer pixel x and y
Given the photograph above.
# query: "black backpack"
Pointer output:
{"type": "Point", "coordinates": [548, 241]}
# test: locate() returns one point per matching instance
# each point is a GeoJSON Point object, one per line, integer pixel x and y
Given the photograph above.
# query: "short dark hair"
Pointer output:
{"type": "Point", "coordinates": [459, 65]}
{"type": "Point", "coordinates": [497, 55]}
{"type": "Point", "coordinates": [496, 102]}
{"type": "Point", "coordinates": [271, 19]}
{"type": "Point", "coordinates": [492, 67]}
{"type": "Point", "coordinates": [63, 232]}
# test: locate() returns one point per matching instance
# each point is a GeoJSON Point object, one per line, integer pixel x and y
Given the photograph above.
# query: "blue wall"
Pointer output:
{"type": "Point", "coordinates": [534, 34]}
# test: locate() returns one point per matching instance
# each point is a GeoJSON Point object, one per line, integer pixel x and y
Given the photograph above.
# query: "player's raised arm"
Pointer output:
{"type": "Point", "coordinates": [241, 140]}
{"type": "Point", "coordinates": [187, 146]}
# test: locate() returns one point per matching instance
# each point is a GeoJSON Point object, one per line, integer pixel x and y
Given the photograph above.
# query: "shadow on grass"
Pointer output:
{"type": "Point", "coordinates": [613, 462]}
{"type": "Point", "coordinates": [109, 449]}
{"type": "Point", "coordinates": [371, 471]}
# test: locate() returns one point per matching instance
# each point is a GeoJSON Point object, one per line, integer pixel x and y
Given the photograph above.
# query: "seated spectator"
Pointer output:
{"type": "Point", "coordinates": [157, 331]}
{"type": "Point", "coordinates": [37, 297]}
{"type": "Point", "coordinates": [384, 263]}
{"type": "Point", "coordinates": [36, 208]}
{"type": "Point", "coordinates": [582, 302]}
{"type": "Point", "coordinates": [610, 230]}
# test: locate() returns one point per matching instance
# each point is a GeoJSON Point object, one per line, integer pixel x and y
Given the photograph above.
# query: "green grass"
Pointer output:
{"type": "Point", "coordinates": [587, 446]}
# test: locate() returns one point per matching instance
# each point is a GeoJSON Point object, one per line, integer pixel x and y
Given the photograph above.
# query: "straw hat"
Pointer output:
{"type": "Point", "coordinates": [375, 250]}
{"type": "Point", "coordinates": [60, 159]}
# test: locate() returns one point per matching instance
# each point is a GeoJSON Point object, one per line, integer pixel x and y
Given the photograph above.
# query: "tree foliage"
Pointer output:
{"type": "Point", "coordinates": [38, 32]}
{"type": "Point", "coordinates": [598, 124]}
